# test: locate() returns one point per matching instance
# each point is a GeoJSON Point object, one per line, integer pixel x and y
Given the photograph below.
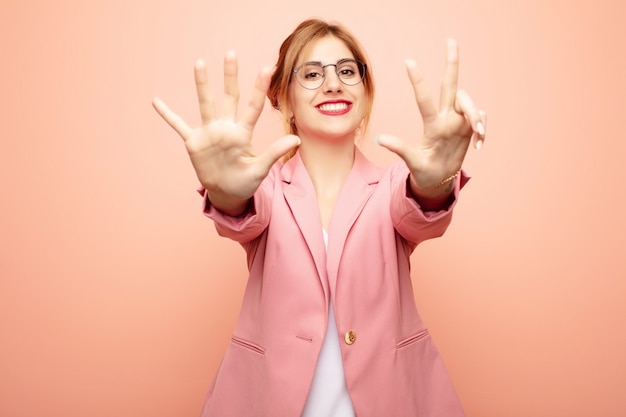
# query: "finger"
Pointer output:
{"type": "Point", "coordinates": [451, 76]}
{"type": "Point", "coordinates": [231, 87]}
{"type": "Point", "coordinates": [483, 118]}
{"type": "Point", "coordinates": [396, 145]}
{"type": "Point", "coordinates": [424, 101]}
{"type": "Point", "coordinates": [465, 105]}
{"type": "Point", "coordinates": [174, 120]}
{"type": "Point", "coordinates": [205, 98]}
{"type": "Point", "coordinates": [479, 140]}
{"type": "Point", "coordinates": [253, 111]}
{"type": "Point", "coordinates": [275, 151]}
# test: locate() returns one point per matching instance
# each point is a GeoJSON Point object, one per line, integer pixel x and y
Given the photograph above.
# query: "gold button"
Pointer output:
{"type": "Point", "coordinates": [350, 337]}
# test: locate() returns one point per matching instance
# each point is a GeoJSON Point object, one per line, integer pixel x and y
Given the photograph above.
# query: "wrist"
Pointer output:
{"type": "Point", "coordinates": [228, 204]}
{"type": "Point", "coordinates": [442, 188]}
{"type": "Point", "coordinates": [433, 198]}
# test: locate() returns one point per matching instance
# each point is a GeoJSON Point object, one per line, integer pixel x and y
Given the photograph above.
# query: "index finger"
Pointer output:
{"type": "Point", "coordinates": [422, 97]}
{"type": "Point", "coordinates": [449, 85]}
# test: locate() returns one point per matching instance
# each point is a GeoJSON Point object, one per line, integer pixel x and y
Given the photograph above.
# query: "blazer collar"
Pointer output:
{"type": "Point", "coordinates": [300, 196]}
{"type": "Point", "coordinates": [293, 169]}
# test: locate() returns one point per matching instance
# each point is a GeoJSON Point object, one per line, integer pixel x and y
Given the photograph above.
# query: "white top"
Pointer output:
{"type": "Point", "coordinates": [328, 396]}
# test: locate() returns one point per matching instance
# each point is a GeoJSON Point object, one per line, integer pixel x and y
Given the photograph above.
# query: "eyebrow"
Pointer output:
{"type": "Point", "coordinates": [341, 61]}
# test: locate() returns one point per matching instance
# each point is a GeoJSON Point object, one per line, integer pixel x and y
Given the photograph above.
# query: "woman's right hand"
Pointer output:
{"type": "Point", "coordinates": [220, 148]}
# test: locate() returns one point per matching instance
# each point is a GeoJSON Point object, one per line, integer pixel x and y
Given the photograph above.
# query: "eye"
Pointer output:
{"type": "Point", "coordinates": [312, 75]}
{"type": "Point", "coordinates": [347, 69]}
{"type": "Point", "coordinates": [312, 72]}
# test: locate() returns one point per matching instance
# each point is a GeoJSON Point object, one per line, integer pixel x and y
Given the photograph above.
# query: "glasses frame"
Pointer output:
{"type": "Point", "coordinates": [323, 79]}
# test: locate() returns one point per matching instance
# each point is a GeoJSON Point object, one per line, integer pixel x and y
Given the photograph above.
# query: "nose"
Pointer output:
{"type": "Point", "coordinates": [331, 79]}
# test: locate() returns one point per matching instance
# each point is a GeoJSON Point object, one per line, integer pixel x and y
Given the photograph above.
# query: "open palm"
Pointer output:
{"type": "Point", "coordinates": [448, 129]}
{"type": "Point", "coordinates": [220, 148]}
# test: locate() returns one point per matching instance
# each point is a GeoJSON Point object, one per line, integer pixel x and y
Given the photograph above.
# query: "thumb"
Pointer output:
{"type": "Point", "coordinates": [395, 145]}
{"type": "Point", "coordinates": [277, 149]}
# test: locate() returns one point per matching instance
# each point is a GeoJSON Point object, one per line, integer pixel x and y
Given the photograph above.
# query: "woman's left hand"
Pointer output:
{"type": "Point", "coordinates": [448, 131]}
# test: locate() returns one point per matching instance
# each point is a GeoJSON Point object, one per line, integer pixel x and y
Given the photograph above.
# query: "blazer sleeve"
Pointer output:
{"type": "Point", "coordinates": [252, 222]}
{"type": "Point", "coordinates": [409, 220]}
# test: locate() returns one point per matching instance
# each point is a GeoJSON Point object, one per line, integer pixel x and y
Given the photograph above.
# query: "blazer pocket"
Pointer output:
{"type": "Point", "coordinates": [412, 339]}
{"type": "Point", "coordinates": [246, 344]}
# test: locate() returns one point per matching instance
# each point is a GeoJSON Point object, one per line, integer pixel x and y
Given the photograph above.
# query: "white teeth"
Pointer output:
{"type": "Point", "coordinates": [333, 107]}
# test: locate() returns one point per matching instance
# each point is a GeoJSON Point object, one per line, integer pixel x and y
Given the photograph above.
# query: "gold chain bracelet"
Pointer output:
{"type": "Point", "coordinates": [447, 180]}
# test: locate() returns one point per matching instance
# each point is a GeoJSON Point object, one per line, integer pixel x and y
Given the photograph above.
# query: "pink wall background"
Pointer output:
{"type": "Point", "coordinates": [117, 298]}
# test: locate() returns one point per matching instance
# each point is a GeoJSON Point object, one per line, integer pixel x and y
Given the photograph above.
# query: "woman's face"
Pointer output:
{"type": "Point", "coordinates": [334, 110]}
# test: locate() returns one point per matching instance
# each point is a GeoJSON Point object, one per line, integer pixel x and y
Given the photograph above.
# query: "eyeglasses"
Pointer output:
{"type": "Point", "coordinates": [310, 75]}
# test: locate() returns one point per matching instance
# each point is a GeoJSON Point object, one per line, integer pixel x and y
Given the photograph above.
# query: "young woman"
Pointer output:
{"type": "Point", "coordinates": [328, 325]}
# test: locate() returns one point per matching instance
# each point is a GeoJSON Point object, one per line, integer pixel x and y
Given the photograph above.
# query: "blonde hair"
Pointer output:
{"type": "Point", "coordinates": [289, 53]}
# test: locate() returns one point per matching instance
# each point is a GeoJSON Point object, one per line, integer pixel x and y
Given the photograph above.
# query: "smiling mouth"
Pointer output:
{"type": "Point", "coordinates": [333, 107]}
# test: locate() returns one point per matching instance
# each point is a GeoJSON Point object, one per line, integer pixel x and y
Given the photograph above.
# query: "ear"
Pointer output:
{"type": "Point", "coordinates": [288, 113]}
{"type": "Point", "coordinates": [292, 125]}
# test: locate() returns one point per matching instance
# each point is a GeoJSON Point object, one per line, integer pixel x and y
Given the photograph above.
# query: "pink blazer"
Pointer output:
{"type": "Point", "coordinates": [391, 365]}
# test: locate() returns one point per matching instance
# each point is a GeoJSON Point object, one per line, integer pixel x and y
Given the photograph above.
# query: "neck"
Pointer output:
{"type": "Point", "coordinates": [328, 164]}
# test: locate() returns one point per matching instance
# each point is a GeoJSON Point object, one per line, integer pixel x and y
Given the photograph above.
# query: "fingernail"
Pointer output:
{"type": "Point", "coordinates": [480, 127]}
{"type": "Point", "coordinates": [376, 140]}
{"type": "Point", "coordinates": [479, 144]}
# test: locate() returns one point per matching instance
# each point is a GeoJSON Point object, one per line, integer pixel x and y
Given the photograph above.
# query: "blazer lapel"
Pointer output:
{"type": "Point", "coordinates": [357, 190]}
{"type": "Point", "coordinates": [300, 196]}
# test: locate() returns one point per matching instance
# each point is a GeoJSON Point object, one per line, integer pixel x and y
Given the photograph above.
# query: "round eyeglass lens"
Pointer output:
{"type": "Point", "coordinates": [311, 74]}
